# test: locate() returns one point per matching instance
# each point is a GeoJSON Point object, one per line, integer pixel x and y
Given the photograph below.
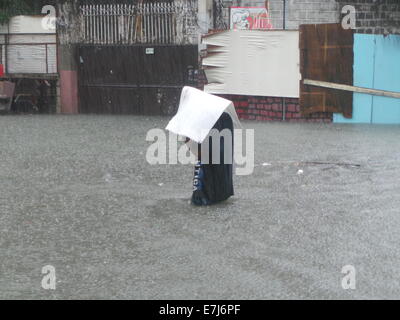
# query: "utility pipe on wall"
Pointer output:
{"type": "Point", "coordinates": [284, 14]}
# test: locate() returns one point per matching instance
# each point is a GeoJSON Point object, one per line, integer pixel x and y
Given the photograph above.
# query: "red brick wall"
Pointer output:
{"type": "Point", "coordinates": [268, 108]}
{"type": "Point", "coordinates": [273, 109]}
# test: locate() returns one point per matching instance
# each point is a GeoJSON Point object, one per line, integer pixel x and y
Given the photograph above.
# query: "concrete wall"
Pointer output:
{"type": "Point", "coordinates": [373, 16]}
{"type": "Point", "coordinates": [304, 12]}
{"type": "Point", "coordinates": [297, 11]}
{"type": "Point", "coordinates": [376, 16]}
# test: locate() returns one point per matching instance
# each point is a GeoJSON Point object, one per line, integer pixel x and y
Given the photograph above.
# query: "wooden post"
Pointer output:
{"type": "Point", "coordinates": [331, 85]}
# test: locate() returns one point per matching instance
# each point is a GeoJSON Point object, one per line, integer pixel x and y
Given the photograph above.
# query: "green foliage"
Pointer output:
{"type": "Point", "coordinates": [10, 8]}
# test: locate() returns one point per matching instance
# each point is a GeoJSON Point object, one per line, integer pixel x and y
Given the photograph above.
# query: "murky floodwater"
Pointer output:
{"type": "Point", "coordinates": [77, 193]}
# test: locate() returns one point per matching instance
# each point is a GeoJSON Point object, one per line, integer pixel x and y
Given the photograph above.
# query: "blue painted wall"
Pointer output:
{"type": "Point", "coordinates": [376, 65]}
{"type": "Point", "coordinates": [387, 77]}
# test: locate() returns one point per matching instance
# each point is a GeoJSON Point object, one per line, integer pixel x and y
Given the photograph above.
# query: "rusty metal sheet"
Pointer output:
{"type": "Point", "coordinates": [326, 54]}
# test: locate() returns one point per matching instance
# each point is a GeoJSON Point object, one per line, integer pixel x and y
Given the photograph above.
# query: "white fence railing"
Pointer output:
{"type": "Point", "coordinates": [158, 23]}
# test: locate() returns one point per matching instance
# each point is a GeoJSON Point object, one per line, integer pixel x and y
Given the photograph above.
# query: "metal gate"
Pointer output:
{"type": "Point", "coordinates": [134, 79]}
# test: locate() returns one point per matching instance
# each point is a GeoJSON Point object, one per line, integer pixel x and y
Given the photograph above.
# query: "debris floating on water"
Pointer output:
{"type": "Point", "coordinates": [107, 177]}
{"type": "Point", "coordinates": [339, 164]}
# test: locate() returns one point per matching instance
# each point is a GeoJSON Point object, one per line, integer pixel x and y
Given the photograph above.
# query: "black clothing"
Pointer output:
{"type": "Point", "coordinates": [213, 183]}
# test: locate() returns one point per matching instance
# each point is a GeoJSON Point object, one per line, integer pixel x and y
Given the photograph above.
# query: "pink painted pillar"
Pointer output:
{"type": "Point", "coordinates": [68, 36]}
{"type": "Point", "coordinates": [69, 91]}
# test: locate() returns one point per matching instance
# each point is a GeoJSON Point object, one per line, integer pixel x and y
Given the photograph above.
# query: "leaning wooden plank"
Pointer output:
{"type": "Point", "coordinates": [331, 85]}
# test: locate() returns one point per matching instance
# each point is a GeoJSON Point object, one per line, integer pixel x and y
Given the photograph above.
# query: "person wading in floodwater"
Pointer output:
{"type": "Point", "coordinates": [213, 180]}
{"type": "Point", "coordinates": [208, 122]}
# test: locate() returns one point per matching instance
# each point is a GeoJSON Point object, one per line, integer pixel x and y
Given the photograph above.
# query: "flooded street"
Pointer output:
{"type": "Point", "coordinates": [78, 194]}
